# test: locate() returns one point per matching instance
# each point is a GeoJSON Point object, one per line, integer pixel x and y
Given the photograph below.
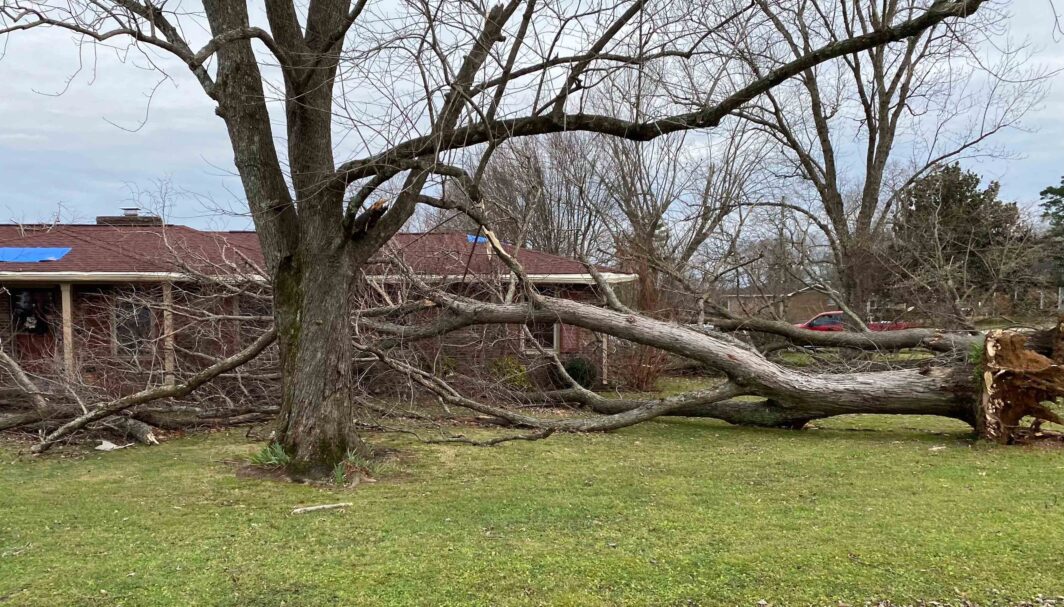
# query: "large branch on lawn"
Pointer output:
{"type": "Point", "coordinates": [760, 412]}
{"type": "Point", "coordinates": [647, 410]}
{"type": "Point", "coordinates": [24, 382]}
{"type": "Point", "coordinates": [947, 391]}
{"type": "Point", "coordinates": [1018, 377]}
{"type": "Point", "coordinates": [931, 339]}
{"type": "Point", "coordinates": [707, 117]}
{"type": "Point", "coordinates": [167, 391]}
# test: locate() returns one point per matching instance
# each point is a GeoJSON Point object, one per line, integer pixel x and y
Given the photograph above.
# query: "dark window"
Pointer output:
{"type": "Point", "coordinates": [544, 334]}
{"type": "Point", "coordinates": [31, 310]}
{"type": "Point", "coordinates": [133, 327]}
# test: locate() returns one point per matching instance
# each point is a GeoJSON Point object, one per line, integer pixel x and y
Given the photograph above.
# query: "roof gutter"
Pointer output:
{"type": "Point", "coordinates": [8, 276]}
{"type": "Point", "coordinates": [122, 277]}
{"type": "Point", "coordinates": [567, 279]}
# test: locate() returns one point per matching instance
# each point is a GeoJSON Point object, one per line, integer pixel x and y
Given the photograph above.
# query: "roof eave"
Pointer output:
{"type": "Point", "coordinates": [123, 277]}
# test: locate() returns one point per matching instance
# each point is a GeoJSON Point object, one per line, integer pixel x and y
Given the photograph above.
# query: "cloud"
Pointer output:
{"type": "Point", "coordinates": [82, 129]}
{"type": "Point", "coordinates": [101, 137]}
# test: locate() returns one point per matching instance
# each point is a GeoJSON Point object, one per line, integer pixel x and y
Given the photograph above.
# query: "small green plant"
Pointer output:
{"type": "Point", "coordinates": [339, 474]}
{"type": "Point", "coordinates": [975, 358]}
{"type": "Point", "coordinates": [510, 370]}
{"type": "Point", "coordinates": [272, 455]}
{"type": "Point", "coordinates": [356, 467]}
{"type": "Point", "coordinates": [975, 352]}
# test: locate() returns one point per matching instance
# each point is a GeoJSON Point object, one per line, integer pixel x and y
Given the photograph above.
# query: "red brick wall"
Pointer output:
{"type": "Point", "coordinates": [5, 320]}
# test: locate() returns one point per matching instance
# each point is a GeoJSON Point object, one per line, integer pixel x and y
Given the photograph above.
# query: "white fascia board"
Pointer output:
{"type": "Point", "coordinates": [109, 277]}
{"type": "Point", "coordinates": [8, 276]}
{"type": "Point", "coordinates": [119, 277]}
{"type": "Point", "coordinates": [578, 279]}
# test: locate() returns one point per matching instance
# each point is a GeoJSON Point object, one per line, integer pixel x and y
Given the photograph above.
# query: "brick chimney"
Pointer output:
{"type": "Point", "coordinates": [130, 217]}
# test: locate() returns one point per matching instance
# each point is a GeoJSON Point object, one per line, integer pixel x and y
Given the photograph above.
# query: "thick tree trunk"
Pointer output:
{"type": "Point", "coordinates": [304, 243]}
{"type": "Point", "coordinates": [857, 274]}
{"type": "Point", "coordinates": [316, 425]}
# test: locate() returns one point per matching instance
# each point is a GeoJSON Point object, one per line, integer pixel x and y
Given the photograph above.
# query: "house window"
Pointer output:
{"type": "Point", "coordinates": [545, 334]}
{"type": "Point", "coordinates": [133, 326]}
{"type": "Point", "coordinates": [30, 310]}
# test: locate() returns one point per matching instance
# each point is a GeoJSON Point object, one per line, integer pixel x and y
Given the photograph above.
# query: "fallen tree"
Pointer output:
{"type": "Point", "coordinates": [991, 383]}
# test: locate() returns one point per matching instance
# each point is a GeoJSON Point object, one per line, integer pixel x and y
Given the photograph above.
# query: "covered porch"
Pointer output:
{"type": "Point", "coordinates": [56, 325]}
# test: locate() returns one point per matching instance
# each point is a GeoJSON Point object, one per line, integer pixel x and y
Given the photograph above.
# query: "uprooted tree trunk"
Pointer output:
{"type": "Point", "coordinates": [1016, 381]}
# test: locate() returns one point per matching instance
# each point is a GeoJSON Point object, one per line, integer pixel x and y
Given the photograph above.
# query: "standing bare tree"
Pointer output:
{"type": "Point", "coordinates": [854, 133]}
{"type": "Point", "coordinates": [443, 77]}
{"type": "Point", "coordinates": [544, 193]}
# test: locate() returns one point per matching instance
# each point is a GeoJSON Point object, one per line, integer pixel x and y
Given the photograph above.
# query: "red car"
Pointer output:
{"type": "Point", "coordinates": [833, 321]}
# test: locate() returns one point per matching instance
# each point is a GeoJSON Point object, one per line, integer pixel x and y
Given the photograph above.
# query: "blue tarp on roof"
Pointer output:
{"type": "Point", "coordinates": [32, 254]}
{"type": "Point", "coordinates": [476, 239]}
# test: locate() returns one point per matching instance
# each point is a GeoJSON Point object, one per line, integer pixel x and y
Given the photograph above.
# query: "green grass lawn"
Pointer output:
{"type": "Point", "coordinates": [667, 513]}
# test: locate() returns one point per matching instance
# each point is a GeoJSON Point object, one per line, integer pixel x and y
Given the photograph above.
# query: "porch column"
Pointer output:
{"type": "Point", "coordinates": [68, 329]}
{"type": "Point", "coordinates": [169, 362]}
{"type": "Point", "coordinates": [605, 359]}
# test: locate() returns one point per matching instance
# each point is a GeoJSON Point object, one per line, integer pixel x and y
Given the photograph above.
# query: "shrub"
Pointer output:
{"type": "Point", "coordinates": [640, 367]}
{"type": "Point", "coordinates": [272, 455]}
{"type": "Point", "coordinates": [511, 371]}
{"type": "Point", "coordinates": [582, 370]}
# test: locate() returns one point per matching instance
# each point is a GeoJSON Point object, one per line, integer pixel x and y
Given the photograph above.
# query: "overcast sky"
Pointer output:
{"type": "Point", "coordinates": [88, 141]}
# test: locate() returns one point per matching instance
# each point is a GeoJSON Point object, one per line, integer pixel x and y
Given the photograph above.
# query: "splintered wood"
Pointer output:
{"type": "Point", "coordinates": [1016, 383]}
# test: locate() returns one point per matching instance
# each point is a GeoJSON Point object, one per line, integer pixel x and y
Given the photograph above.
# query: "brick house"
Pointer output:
{"type": "Point", "coordinates": [64, 290]}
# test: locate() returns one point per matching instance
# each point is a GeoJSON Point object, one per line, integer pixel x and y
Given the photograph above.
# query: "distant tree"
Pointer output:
{"type": "Point", "coordinates": [1053, 213]}
{"type": "Point", "coordinates": [853, 134]}
{"type": "Point", "coordinates": [956, 242]}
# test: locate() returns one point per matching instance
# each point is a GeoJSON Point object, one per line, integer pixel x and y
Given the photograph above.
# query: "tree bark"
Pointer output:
{"type": "Point", "coordinates": [763, 413]}
{"type": "Point", "coordinates": [316, 426]}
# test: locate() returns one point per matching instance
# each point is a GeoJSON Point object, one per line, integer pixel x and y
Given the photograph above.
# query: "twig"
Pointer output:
{"type": "Point", "coordinates": [307, 509]}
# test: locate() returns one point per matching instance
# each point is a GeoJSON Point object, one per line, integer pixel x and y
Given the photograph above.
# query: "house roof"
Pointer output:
{"type": "Point", "coordinates": [126, 252]}
{"type": "Point", "coordinates": [456, 254]}
{"type": "Point", "coordinates": [122, 253]}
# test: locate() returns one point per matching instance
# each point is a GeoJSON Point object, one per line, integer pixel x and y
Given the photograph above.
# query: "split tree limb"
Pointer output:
{"type": "Point", "coordinates": [168, 391]}
{"type": "Point", "coordinates": [1015, 383]}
